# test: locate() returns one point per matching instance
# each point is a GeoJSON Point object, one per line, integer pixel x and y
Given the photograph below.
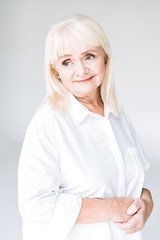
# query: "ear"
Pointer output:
{"type": "Point", "coordinates": [105, 58]}
{"type": "Point", "coordinates": [51, 70]}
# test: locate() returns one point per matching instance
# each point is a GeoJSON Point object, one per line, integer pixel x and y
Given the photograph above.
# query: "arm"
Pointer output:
{"type": "Point", "coordinates": [44, 207]}
{"type": "Point", "coordinates": [140, 210]}
{"type": "Point", "coordinates": [101, 210]}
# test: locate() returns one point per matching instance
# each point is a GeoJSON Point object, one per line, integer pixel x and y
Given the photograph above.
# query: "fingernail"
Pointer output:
{"type": "Point", "coordinates": [131, 210]}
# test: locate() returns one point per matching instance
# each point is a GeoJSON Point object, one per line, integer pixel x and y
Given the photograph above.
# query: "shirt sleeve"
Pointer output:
{"type": "Point", "coordinates": [41, 199]}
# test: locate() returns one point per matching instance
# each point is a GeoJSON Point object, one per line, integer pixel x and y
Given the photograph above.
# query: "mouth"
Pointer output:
{"type": "Point", "coordinates": [84, 80]}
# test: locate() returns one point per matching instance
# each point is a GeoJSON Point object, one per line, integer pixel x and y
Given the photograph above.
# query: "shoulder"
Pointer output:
{"type": "Point", "coordinates": [124, 122]}
{"type": "Point", "coordinates": [44, 120]}
{"type": "Point", "coordinates": [126, 119]}
{"type": "Point", "coordinates": [123, 116]}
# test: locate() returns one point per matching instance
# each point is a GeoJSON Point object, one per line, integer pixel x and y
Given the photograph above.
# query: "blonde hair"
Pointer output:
{"type": "Point", "coordinates": [85, 30]}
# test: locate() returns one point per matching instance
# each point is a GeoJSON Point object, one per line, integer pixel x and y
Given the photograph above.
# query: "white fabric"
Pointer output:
{"type": "Point", "coordinates": [77, 155]}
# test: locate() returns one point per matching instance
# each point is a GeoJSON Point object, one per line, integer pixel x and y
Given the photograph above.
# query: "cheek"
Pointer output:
{"type": "Point", "coordinates": [66, 73]}
{"type": "Point", "coordinates": [99, 68]}
{"type": "Point", "coordinates": [66, 78]}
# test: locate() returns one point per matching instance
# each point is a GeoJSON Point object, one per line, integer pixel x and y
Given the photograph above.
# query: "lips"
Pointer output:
{"type": "Point", "coordinates": [84, 80]}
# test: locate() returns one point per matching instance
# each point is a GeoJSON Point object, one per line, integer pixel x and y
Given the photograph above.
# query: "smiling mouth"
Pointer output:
{"type": "Point", "coordinates": [85, 80]}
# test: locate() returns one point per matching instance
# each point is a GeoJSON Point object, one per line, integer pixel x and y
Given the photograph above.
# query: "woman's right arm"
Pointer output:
{"type": "Point", "coordinates": [45, 208]}
{"type": "Point", "coordinates": [104, 210]}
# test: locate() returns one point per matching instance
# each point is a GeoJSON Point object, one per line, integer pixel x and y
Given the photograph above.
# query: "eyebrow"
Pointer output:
{"type": "Point", "coordinates": [69, 55]}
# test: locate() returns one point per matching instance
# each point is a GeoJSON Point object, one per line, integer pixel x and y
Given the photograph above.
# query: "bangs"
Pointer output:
{"type": "Point", "coordinates": [66, 39]}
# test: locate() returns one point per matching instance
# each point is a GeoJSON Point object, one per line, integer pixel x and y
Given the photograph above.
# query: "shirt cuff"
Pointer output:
{"type": "Point", "coordinates": [146, 183]}
{"type": "Point", "coordinates": [65, 215]}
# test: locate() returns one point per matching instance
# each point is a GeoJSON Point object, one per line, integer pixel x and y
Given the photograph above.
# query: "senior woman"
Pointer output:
{"type": "Point", "coordinates": [82, 168]}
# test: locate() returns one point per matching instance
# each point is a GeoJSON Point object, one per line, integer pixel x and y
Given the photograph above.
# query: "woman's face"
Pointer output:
{"type": "Point", "coordinates": [82, 70]}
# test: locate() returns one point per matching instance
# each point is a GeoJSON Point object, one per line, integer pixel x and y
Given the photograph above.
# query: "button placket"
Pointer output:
{"type": "Point", "coordinates": [117, 154]}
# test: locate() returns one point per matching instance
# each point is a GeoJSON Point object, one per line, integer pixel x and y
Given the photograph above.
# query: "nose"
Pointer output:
{"type": "Point", "coordinates": [81, 69]}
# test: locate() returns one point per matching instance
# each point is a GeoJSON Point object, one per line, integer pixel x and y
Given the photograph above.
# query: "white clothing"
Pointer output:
{"type": "Point", "coordinates": [77, 155]}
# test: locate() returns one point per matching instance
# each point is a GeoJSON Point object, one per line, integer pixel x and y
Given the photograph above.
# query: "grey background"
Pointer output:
{"type": "Point", "coordinates": [133, 30]}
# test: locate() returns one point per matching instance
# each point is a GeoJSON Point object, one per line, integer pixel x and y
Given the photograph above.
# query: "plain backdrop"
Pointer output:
{"type": "Point", "coordinates": [133, 29]}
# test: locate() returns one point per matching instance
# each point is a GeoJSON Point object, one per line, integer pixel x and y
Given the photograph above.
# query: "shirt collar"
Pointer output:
{"type": "Point", "coordinates": [79, 112]}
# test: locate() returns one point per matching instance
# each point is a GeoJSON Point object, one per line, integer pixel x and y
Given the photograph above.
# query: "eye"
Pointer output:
{"type": "Point", "coordinates": [90, 57]}
{"type": "Point", "coordinates": [66, 63]}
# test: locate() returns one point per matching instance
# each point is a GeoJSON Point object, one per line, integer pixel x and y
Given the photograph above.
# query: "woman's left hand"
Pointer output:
{"type": "Point", "coordinates": [140, 210]}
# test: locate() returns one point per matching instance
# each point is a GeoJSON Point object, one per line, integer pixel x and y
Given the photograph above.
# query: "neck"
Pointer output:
{"type": "Point", "coordinates": [93, 99]}
{"type": "Point", "coordinates": [92, 103]}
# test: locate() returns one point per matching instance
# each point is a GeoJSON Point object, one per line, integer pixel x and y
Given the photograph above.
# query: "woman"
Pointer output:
{"type": "Point", "coordinates": [82, 168]}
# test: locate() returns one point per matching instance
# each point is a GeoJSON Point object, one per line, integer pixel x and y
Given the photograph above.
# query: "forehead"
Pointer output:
{"type": "Point", "coordinates": [70, 43]}
{"type": "Point", "coordinates": [77, 49]}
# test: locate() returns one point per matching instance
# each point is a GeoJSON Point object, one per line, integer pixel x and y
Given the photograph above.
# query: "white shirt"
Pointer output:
{"type": "Point", "coordinates": [77, 155]}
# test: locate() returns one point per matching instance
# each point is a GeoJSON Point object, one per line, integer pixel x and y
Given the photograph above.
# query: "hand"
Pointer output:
{"type": "Point", "coordinates": [140, 210]}
{"type": "Point", "coordinates": [118, 207]}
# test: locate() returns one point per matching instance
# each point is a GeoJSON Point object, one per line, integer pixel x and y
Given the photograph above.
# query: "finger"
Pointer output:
{"type": "Point", "coordinates": [129, 229]}
{"type": "Point", "coordinates": [126, 227]}
{"type": "Point", "coordinates": [135, 206]}
{"type": "Point", "coordinates": [122, 226]}
{"type": "Point", "coordinates": [133, 225]}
